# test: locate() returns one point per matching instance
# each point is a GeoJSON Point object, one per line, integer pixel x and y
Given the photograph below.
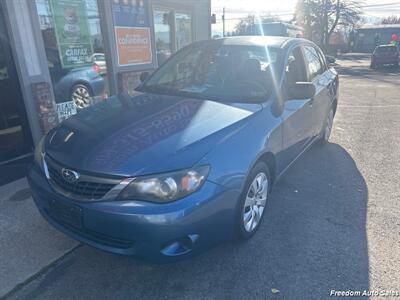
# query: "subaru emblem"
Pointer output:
{"type": "Point", "coordinates": [69, 175]}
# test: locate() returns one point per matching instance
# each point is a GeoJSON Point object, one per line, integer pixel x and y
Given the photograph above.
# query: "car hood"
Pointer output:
{"type": "Point", "coordinates": [129, 136]}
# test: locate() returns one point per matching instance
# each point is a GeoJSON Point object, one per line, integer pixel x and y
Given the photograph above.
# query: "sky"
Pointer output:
{"type": "Point", "coordinates": [235, 9]}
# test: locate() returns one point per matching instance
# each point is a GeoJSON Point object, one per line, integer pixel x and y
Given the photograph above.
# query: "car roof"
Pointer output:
{"type": "Point", "coordinates": [270, 41]}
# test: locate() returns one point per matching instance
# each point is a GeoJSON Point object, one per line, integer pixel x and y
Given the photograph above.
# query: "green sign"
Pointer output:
{"type": "Point", "coordinates": [72, 32]}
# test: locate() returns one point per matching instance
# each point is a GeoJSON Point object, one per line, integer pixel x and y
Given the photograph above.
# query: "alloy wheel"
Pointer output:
{"type": "Point", "coordinates": [81, 96]}
{"type": "Point", "coordinates": [256, 199]}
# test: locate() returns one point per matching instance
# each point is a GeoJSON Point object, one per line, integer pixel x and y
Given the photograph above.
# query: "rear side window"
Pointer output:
{"type": "Point", "coordinates": [313, 62]}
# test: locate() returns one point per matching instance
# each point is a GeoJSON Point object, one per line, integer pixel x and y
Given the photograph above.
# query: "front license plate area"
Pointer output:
{"type": "Point", "coordinates": [66, 213]}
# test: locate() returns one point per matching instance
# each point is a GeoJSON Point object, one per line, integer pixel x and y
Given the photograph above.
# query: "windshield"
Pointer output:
{"type": "Point", "coordinates": [387, 49]}
{"type": "Point", "coordinates": [218, 72]}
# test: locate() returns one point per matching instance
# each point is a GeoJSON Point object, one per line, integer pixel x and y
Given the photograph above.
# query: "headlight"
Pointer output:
{"type": "Point", "coordinates": [166, 187]}
{"type": "Point", "coordinates": [39, 152]}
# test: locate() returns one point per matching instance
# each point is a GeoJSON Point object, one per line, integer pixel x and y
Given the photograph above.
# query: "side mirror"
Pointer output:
{"type": "Point", "coordinates": [330, 59]}
{"type": "Point", "coordinates": [301, 91]}
{"type": "Point", "coordinates": [144, 76]}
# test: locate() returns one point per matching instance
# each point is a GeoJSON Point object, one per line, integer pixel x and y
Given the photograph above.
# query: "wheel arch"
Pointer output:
{"type": "Point", "coordinates": [334, 105]}
{"type": "Point", "coordinates": [270, 160]}
{"type": "Point", "coordinates": [84, 83]}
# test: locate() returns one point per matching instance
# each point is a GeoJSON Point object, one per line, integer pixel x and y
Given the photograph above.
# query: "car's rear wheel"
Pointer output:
{"type": "Point", "coordinates": [81, 95]}
{"type": "Point", "coordinates": [253, 201]}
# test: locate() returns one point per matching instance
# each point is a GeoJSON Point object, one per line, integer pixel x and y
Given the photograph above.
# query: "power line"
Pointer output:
{"type": "Point", "coordinates": [287, 13]}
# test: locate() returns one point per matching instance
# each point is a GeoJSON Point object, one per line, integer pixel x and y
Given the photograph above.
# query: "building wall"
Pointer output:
{"type": "Point", "coordinates": [365, 38]}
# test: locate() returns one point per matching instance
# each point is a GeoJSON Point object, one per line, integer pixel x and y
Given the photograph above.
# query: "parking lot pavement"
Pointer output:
{"type": "Point", "coordinates": [332, 223]}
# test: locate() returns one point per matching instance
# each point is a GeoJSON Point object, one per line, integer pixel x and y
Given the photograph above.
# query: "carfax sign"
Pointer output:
{"type": "Point", "coordinates": [132, 32]}
{"type": "Point", "coordinates": [72, 32]}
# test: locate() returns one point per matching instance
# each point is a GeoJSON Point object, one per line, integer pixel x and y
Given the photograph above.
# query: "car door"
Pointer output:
{"type": "Point", "coordinates": [297, 126]}
{"type": "Point", "coordinates": [319, 75]}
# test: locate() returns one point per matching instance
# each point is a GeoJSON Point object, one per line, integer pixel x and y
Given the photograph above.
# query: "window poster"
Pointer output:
{"type": "Point", "coordinates": [132, 32]}
{"type": "Point", "coordinates": [72, 32]}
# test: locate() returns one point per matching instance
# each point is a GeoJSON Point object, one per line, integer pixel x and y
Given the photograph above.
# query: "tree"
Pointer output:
{"type": "Point", "coordinates": [321, 18]}
{"type": "Point", "coordinates": [246, 26]}
{"type": "Point", "coordinates": [391, 20]}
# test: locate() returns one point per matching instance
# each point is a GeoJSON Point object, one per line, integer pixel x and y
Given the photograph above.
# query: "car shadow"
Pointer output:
{"type": "Point", "coordinates": [313, 240]}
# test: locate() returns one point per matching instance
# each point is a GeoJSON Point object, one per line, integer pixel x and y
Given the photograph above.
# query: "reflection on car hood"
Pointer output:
{"type": "Point", "coordinates": [146, 134]}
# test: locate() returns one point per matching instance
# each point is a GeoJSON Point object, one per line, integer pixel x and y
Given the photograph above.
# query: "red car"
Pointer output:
{"type": "Point", "coordinates": [385, 55]}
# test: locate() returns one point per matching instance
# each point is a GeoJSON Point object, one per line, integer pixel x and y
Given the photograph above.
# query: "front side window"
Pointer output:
{"type": "Point", "coordinates": [75, 52]}
{"type": "Point", "coordinates": [295, 70]}
{"type": "Point", "coordinates": [220, 72]}
{"type": "Point", "coordinates": [313, 62]}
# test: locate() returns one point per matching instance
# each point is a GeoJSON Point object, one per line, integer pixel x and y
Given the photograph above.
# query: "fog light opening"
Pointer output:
{"type": "Point", "coordinates": [181, 246]}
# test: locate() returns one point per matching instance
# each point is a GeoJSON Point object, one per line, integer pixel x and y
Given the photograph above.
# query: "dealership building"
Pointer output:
{"type": "Point", "coordinates": [59, 56]}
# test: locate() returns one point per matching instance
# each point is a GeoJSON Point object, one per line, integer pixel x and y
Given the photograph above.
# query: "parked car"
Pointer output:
{"type": "Point", "coordinates": [191, 161]}
{"type": "Point", "coordinates": [84, 86]}
{"type": "Point", "coordinates": [385, 55]}
{"type": "Point", "coordinates": [99, 63]}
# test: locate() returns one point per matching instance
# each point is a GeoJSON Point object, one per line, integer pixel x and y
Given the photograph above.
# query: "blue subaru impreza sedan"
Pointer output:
{"type": "Point", "coordinates": [191, 159]}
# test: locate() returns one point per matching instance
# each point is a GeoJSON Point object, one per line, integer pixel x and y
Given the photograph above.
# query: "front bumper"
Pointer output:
{"type": "Point", "coordinates": [156, 232]}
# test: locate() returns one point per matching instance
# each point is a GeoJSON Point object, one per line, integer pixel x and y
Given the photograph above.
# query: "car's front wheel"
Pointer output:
{"type": "Point", "coordinates": [253, 201]}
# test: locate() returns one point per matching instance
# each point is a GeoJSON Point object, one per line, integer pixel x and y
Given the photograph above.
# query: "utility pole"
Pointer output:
{"type": "Point", "coordinates": [223, 22]}
{"type": "Point", "coordinates": [308, 20]}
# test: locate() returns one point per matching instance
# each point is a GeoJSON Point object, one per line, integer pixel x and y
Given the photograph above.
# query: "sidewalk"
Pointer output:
{"type": "Point", "coordinates": [28, 243]}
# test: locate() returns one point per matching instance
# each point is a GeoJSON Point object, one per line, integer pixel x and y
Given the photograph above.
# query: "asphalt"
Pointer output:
{"type": "Point", "coordinates": [332, 223]}
{"type": "Point", "coordinates": [28, 245]}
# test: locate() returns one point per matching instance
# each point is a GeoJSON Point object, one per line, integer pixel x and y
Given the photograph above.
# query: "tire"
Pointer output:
{"type": "Point", "coordinates": [327, 129]}
{"type": "Point", "coordinates": [251, 206]}
{"type": "Point", "coordinates": [81, 95]}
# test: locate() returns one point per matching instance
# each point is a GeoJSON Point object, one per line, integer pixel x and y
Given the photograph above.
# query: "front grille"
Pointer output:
{"type": "Point", "coordinates": [86, 188]}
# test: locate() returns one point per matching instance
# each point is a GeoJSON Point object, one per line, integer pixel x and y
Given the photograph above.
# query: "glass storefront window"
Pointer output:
{"type": "Point", "coordinates": [183, 34]}
{"type": "Point", "coordinates": [167, 40]}
{"type": "Point", "coordinates": [75, 53]}
{"type": "Point", "coordinates": [14, 137]}
{"type": "Point", "coordinates": [3, 67]}
{"type": "Point", "coordinates": [162, 31]}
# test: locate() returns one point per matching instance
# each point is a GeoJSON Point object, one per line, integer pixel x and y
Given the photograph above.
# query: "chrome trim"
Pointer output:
{"type": "Point", "coordinates": [45, 168]}
{"type": "Point", "coordinates": [119, 184]}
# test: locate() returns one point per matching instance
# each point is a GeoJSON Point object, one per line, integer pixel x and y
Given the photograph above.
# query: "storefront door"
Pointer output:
{"type": "Point", "coordinates": [15, 139]}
